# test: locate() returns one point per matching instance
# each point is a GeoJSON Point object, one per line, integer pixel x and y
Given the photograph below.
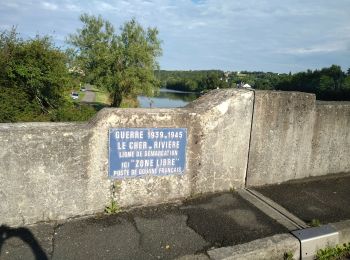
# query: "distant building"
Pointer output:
{"type": "Point", "coordinates": [243, 85]}
{"type": "Point", "coordinates": [246, 86]}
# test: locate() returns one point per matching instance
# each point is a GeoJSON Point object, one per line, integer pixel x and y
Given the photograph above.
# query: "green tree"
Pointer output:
{"type": "Point", "coordinates": [33, 77]}
{"type": "Point", "coordinates": [213, 80]}
{"type": "Point", "coordinates": [95, 47]}
{"type": "Point", "coordinates": [336, 74]}
{"type": "Point", "coordinates": [326, 84]}
{"type": "Point", "coordinates": [263, 84]}
{"type": "Point", "coordinates": [123, 64]}
{"type": "Point", "coordinates": [346, 88]}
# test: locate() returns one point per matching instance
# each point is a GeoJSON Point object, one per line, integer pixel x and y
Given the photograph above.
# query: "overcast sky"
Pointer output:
{"type": "Point", "coordinates": [260, 35]}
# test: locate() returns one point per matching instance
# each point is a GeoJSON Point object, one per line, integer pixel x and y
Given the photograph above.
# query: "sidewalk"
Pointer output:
{"type": "Point", "coordinates": [186, 231]}
{"type": "Point", "coordinates": [326, 199]}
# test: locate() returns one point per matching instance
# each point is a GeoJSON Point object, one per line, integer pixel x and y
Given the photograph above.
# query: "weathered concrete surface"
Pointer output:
{"type": "Point", "coordinates": [294, 137]}
{"type": "Point", "coordinates": [331, 139]}
{"type": "Point", "coordinates": [224, 119]}
{"type": "Point", "coordinates": [44, 174]}
{"type": "Point", "coordinates": [217, 147]}
{"type": "Point", "coordinates": [146, 190]}
{"type": "Point", "coordinates": [268, 248]}
{"type": "Point", "coordinates": [343, 228]}
{"type": "Point", "coordinates": [282, 131]}
{"type": "Point", "coordinates": [324, 198]}
{"type": "Point", "coordinates": [54, 171]}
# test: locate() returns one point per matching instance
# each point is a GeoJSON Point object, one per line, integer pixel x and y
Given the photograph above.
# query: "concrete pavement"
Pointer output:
{"type": "Point", "coordinates": [188, 230]}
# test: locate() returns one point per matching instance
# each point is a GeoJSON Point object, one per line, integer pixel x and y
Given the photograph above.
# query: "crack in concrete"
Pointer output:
{"type": "Point", "coordinates": [205, 249]}
{"type": "Point", "coordinates": [141, 236]}
{"type": "Point", "coordinates": [53, 234]}
{"type": "Point", "coordinates": [133, 222]}
{"type": "Point", "coordinates": [250, 140]}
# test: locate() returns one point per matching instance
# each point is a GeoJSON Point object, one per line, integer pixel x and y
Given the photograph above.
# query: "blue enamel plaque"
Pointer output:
{"type": "Point", "coordinates": [137, 152]}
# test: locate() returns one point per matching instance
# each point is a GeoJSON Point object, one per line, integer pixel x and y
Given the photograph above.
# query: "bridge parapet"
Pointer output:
{"type": "Point", "coordinates": [235, 138]}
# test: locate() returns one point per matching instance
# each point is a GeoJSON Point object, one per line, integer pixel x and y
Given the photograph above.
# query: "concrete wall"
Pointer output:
{"type": "Point", "coordinates": [294, 137]}
{"type": "Point", "coordinates": [212, 149]}
{"type": "Point", "coordinates": [56, 171]}
{"type": "Point", "coordinates": [282, 131]}
{"type": "Point", "coordinates": [222, 133]}
{"type": "Point", "coordinates": [43, 173]}
{"type": "Point", "coordinates": [330, 151]}
{"type": "Point", "coordinates": [52, 171]}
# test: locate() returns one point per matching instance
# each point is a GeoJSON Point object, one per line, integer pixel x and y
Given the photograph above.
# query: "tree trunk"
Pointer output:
{"type": "Point", "coordinates": [117, 99]}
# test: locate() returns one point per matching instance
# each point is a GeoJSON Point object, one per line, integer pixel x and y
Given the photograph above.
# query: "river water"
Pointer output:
{"type": "Point", "coordinates": [167, 98]}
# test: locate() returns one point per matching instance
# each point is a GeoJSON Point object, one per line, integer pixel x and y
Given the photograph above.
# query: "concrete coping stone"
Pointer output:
{"type": "Point", "coordinates": [36, 125]}
{"type": "Point", "coordinates": [273, 247]}
{"type": "Point", "coordinates": [333, 103]}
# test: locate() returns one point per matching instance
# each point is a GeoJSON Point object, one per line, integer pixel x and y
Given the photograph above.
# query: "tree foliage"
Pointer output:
{"type": "Point", "coordinates": [328, 83]}
{"type": "Point", "coordinates": [124, 64]}
{"type": "Point", "coordinates": [33, 77]}
{"type": "Point", "coordinates": [193, 81]}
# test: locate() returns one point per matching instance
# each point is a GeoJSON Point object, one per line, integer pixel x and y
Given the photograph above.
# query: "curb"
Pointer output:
{"type": "Point", "coordinates": [343, 229]}
{"type": "Point", "coordinates": [273, 247]}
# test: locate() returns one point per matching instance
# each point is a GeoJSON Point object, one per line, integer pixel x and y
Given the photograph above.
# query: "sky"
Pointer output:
{"type": "Point", "coordinates": [231, 35]}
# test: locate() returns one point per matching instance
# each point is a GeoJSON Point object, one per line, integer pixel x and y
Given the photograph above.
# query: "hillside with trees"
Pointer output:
{"type": "Point", "coordinates": [328, 83]}
{"type": "Point", "coordinates": [192, 81]}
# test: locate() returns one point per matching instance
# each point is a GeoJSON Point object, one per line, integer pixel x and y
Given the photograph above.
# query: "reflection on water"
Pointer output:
{"type": "Point", "coordinates": [167, 98]}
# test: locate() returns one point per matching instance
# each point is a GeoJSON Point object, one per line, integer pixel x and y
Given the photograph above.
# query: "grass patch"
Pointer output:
{"type": "Point", "coordinates": [315, 222]}
{"type": "Point", "coordinates": [333, 253]}
{"type": "Point", "coordinates": [102, 96]}
{"type": "Point", "coordinates": [129, 102]}
{"type": "Point", "coordinates": [113, 208]}
{"type": "Point", "coordinates": [288, 256]}
{"type": "Point", "coordinates": [81, 96]}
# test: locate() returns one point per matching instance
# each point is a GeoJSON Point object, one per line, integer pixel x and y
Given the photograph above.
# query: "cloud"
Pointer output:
{"type": "Point", "coordinates": [104, 7]}
{"type": "Point", "coordinates": [72, 7]}
{"type": "Point", "coordinates": [49, 6]}
{"type": "Point", "coordinates": [322, 48]}
{"type": "Point", "coordinates": [270, 35]}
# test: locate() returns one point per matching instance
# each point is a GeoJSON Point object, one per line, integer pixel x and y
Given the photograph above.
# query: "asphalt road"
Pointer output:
{"type": "Point", "coordinates": [90, 95]}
